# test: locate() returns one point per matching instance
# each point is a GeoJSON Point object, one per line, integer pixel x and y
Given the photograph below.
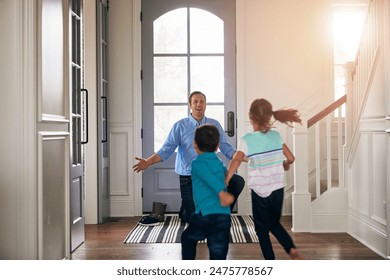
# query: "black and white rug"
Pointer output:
{"type": "Point", "coordinates": [241, 231]}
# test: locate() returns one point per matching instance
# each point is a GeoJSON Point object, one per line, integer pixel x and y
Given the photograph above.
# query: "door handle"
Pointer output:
{"type": "Point", "coordinates": [230, 124]}
{"type": "Point", "coordinates": [104, 99]}
{"type": "Point", "coordinates": [85, 91]}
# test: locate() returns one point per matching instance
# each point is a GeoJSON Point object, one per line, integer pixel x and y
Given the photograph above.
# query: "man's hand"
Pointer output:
{"type": "Point", "coordinates": [141, 165]}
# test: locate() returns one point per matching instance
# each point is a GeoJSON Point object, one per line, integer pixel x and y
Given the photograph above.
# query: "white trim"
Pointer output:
{"type": "Point", "coordinates": [244, 204]}
{"type": "Point", "coordinates": [91, 196]}
{"type": "Point", "coordinates": [53, 118]}
{"type": "Point", "coordinates": [367, 232]}
{"type": "Point", "coordinates": [137, 105]}
{"type": "Point", "coordinates": [39, 5]}
{"type": "Point", "coordinates": [386, 51]}
{"type": "Point", "coordinates": [53, 134]}
{"type": "Point", "coordinates": [27, 205]}
{"type": "Point", "coordinates": [386, 55]}
{"type": "Point", "coordinates": [40, 197]}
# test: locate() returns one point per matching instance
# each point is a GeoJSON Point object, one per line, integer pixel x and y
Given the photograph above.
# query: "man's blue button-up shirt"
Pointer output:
{"type": "Point", "coordinates": [181, 136]}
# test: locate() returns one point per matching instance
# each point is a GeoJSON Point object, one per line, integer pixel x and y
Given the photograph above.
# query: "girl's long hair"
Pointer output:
{"type": "Point", "coordinates": [261, 113]}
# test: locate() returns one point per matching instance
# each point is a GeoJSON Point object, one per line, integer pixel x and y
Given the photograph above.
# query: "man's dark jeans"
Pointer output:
{"type": "Point", "coordinates": [187, 202]}
{"type": "Point", "coordinates": [236, 185]}
{"type": "Point", "coordinates": [215, 228]}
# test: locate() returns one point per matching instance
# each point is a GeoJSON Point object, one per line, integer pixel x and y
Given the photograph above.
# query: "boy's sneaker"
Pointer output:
{"type": "Point", "coordinates": [148, 221]}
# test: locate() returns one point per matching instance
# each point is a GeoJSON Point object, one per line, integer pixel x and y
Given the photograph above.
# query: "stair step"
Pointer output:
{"type": "Point", "coordinates": [324, 185]}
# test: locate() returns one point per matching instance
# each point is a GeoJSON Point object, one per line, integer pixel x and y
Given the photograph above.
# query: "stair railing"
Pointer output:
{"type": "Point", "coordinates": [328, 141]}
{"type": "Point", "coordinates": [308, 148]}
{"type": "Point", "coordinates": [360, 73]}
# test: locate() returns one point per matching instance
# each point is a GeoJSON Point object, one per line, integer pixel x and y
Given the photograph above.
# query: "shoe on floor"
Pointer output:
{"type": "Point", "coordinates": [148, 221]}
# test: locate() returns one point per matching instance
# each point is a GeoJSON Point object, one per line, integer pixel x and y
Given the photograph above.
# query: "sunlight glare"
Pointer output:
{"type": "Point", "coordinates": [347, 29]}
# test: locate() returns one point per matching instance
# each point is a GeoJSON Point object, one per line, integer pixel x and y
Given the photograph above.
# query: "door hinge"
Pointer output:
{"type": "Point", "coordinates": [140, 16]}
{"type": "Point", "coordinates": [141, 75]}
{"type": "Point", "coordinates": [142, 192]}
{"type": "Point", "coordinates": [107, 4]}
{"type": "Point", "coordinates": [142, 133]}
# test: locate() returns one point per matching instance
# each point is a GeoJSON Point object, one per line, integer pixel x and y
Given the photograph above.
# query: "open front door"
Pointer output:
{"type": "Point", "coordinates": [186, 46]}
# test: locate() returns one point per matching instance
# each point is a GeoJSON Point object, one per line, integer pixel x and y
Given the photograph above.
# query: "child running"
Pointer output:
{"type": "Point", "coordinates": [211, 219]}
{"type": "Point", "coordinates": [268, 157]}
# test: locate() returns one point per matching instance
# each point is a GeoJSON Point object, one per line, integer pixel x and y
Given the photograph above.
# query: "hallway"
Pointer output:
{"type": "Point", "coordinates": [105, 242]}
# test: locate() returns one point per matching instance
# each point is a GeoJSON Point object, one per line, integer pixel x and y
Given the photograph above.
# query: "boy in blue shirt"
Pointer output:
{"type": "Point", "coordinates": [211, 219]}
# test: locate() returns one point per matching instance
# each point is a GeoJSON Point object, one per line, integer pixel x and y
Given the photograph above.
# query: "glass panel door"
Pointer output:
{"type": "Point", "coordinates": [78, 99]}
{"type": "Point", "coordinates": [186, 46]}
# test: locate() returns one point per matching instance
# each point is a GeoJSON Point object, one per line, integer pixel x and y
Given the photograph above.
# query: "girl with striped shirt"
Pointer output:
{"type": "Point", "coordinates": [268, 157]}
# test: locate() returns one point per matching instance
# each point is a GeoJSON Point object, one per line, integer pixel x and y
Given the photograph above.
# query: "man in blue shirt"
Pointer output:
{"type": "Point", "coordinates": [181, 136]}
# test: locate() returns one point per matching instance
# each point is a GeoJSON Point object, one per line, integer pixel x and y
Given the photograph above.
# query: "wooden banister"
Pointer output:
{"type": "Point", "coordinates": [327, 111]}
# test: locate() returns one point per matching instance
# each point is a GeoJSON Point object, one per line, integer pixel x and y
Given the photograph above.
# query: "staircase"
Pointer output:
{"type": "Point", "coordinates": [326, 142]}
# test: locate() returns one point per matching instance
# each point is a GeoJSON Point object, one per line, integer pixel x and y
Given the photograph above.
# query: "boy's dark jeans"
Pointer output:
{"type": "Point", "coordinates": [214, 227]}
{"type": "Point", "coordinates": [236, 184]}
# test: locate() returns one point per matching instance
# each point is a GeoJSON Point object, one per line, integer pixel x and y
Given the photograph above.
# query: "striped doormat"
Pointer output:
{"type": "Point", "coordinates": [241, 231]}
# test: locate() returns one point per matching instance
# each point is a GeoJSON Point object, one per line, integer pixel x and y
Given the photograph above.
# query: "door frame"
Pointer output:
{"type": "Point", "coordinates": [78, 110]}
{"type": "Point", "coordinates": [160, 181]}
{"type": "Point", "coordinates": [243, 125]}
{"type": "Point", "coordinates": [103, 180]}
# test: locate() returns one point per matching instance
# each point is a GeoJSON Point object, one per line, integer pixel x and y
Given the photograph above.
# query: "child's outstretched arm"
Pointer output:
{"type": "Point", "coordinates": [234, 165]}
{"type": "Point", "coordinates": [225, 198]}
{"type": "Point", "coordinates": [289, 157]}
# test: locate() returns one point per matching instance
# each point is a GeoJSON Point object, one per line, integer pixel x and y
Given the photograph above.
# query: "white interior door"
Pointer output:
{"type": "Point", "coordinates": [79, 134]}
{"type": "Point", "coordinates": [186, 46]}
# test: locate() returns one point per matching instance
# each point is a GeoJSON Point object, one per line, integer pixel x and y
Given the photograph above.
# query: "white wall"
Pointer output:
{"type": "Point", "coordinates": [18, 205]}
{"type": "Point", "coordinates": [286, 58]}
{"type": "Point", "coordinates": [369, 169]}
{"type": "Point", "coordinates": [283, 54]}
{"type": "Point", "coordinates": [287, 51]}
{"type": "Point", "coordinates": [10, 106]}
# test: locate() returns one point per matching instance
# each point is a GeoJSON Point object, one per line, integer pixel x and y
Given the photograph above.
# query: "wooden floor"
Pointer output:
{"type": "Point", "coordinates": [105, 242]}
